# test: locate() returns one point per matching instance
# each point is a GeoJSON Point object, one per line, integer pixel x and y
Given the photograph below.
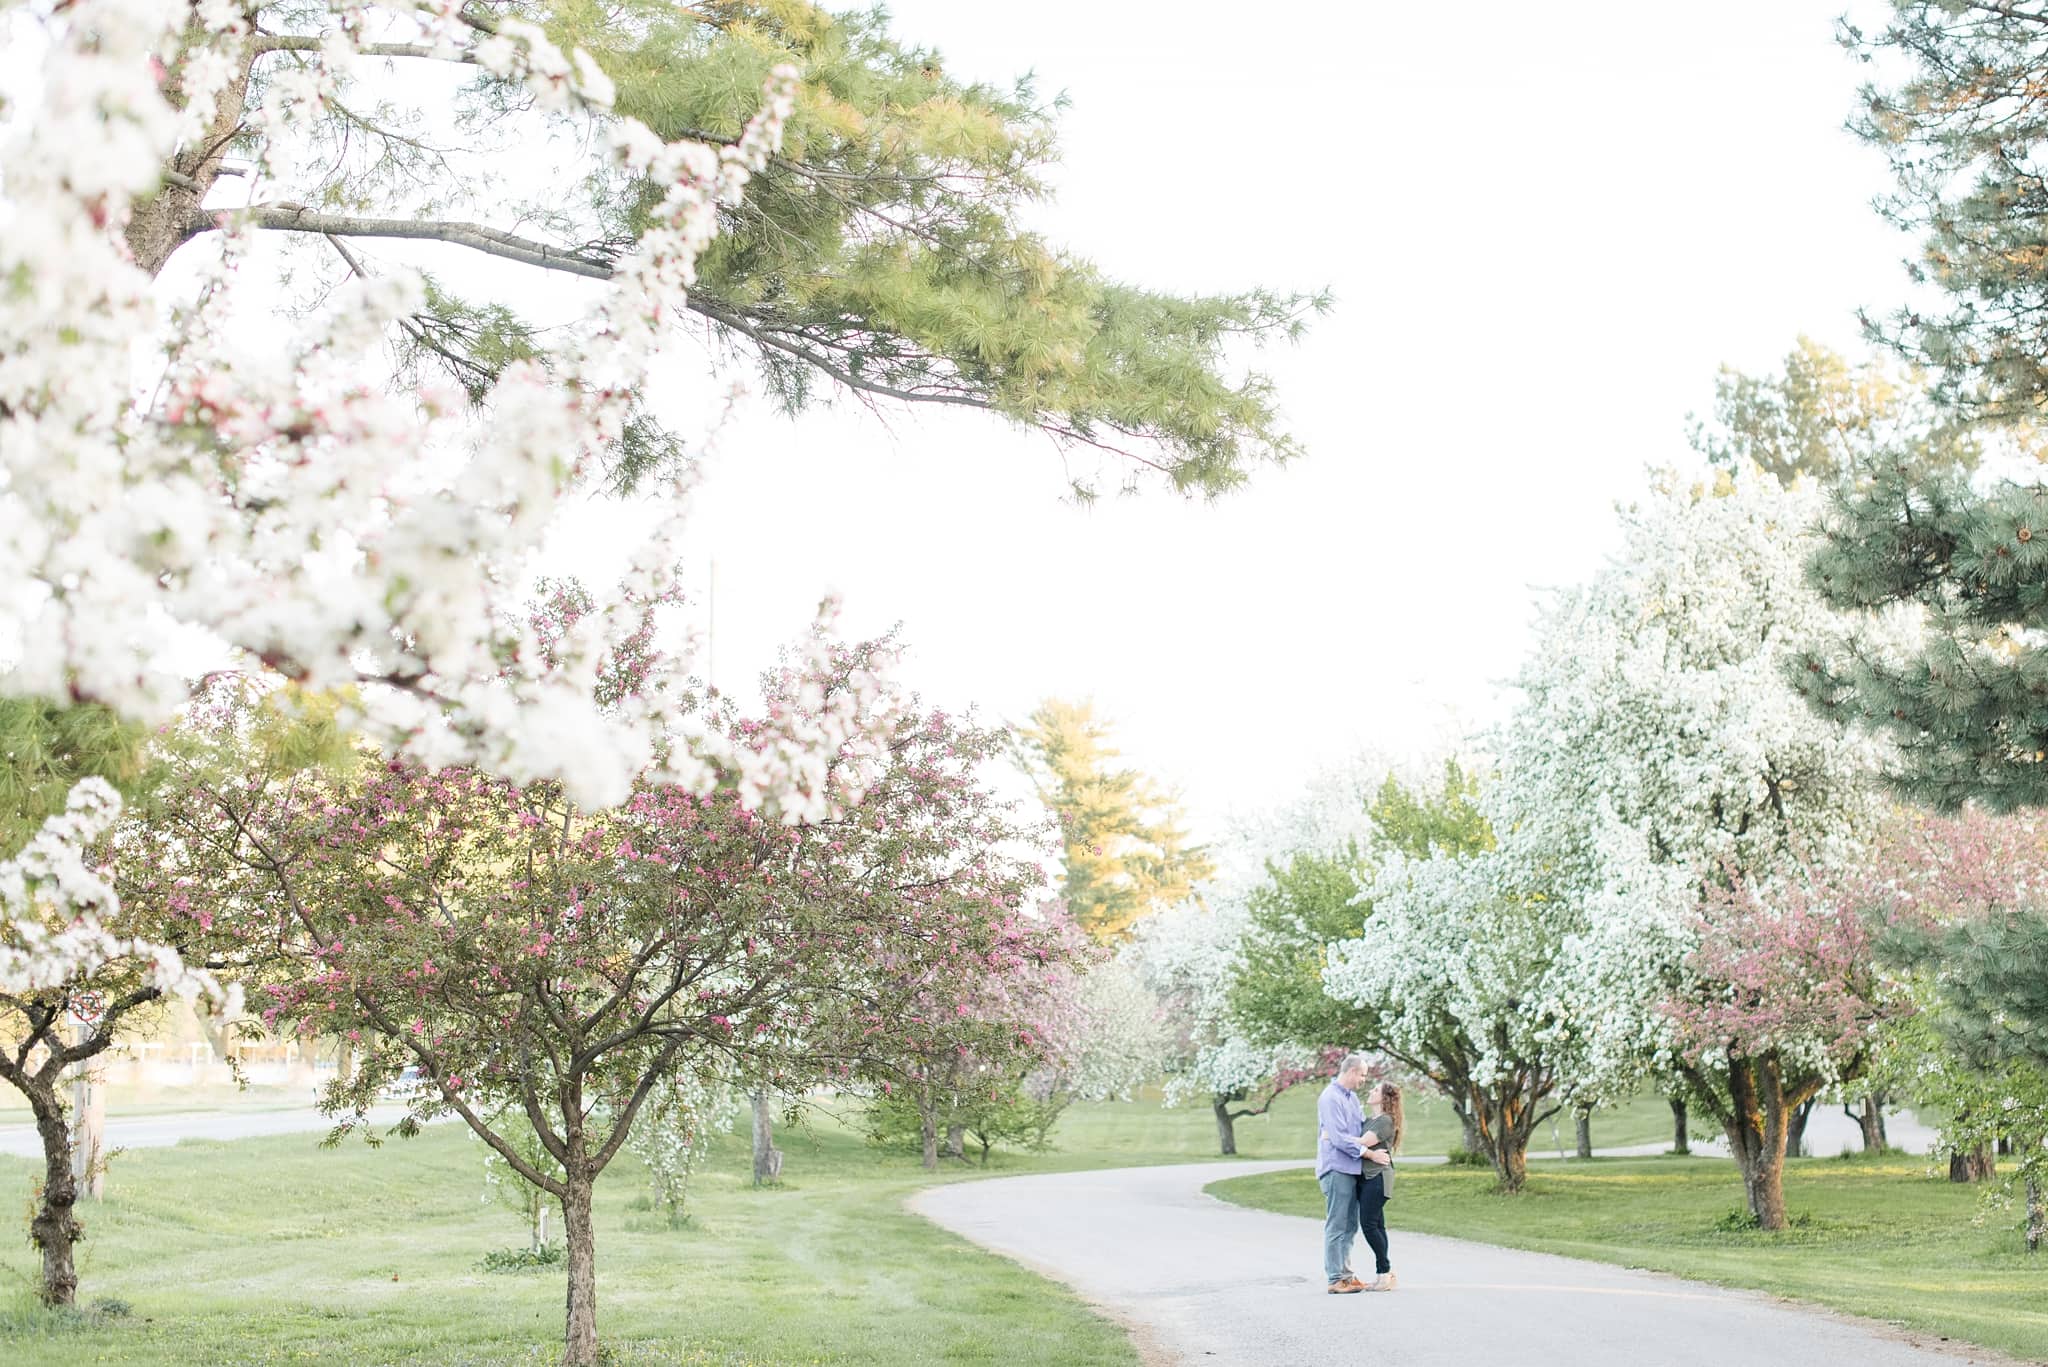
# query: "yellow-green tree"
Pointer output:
{"type": "Point", "coordinates": [1125, 852]}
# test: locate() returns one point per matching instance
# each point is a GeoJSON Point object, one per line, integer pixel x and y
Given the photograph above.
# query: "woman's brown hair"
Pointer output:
{"type": "Point", "coordinates": [1390, 1102]}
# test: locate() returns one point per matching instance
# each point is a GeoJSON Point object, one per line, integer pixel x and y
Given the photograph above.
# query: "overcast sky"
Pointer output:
{"type": "Point", "coordinates": [1545, 228]}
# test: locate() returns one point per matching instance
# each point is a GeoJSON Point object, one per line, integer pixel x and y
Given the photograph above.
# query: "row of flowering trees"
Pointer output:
{"type": "Point", "coordinates": [1678, 873]}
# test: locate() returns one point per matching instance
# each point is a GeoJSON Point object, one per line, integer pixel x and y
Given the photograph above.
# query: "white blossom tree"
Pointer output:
{"type": "Point", "coordinates": [1188, 955]}
{"type": "Point", "coordinates": [1661, 749]}
{"type": "Point", "coordinates": [1461, 967]}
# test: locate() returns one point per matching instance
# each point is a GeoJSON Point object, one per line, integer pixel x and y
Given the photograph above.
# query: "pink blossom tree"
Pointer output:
{"type": "Point", "coordinates": [526, 952]}
{"type": "Point", "coordinates": [1781, 997]}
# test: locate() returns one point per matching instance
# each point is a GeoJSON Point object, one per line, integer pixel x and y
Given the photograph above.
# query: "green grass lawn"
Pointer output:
{"type": "Point", "coordinates": [1875, 1237]}
{"type": "Point", "coordinates": [274, 1250]}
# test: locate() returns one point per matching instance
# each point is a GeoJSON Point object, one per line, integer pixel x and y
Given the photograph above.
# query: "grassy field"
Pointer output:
{"type": "Point", "coordinates": [275, 1251]}
{"type": "Point", "coordinates": [1875, 1237]}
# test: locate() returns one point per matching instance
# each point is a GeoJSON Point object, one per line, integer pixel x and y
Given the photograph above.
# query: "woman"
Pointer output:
{"type": "Point", "coordinates": [1383, 1102]}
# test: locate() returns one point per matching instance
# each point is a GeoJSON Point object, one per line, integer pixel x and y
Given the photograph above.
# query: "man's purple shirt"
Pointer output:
{"type": "Point", "coordinates": [1338, 1113]}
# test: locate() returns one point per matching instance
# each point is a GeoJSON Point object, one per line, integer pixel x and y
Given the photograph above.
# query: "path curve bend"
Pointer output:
{"type": "Point", "coordinates": [1202, 1281]}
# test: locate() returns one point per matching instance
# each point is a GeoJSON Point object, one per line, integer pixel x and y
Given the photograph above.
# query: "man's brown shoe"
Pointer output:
{"type": "Point", "coordinates": [1346, 1286]}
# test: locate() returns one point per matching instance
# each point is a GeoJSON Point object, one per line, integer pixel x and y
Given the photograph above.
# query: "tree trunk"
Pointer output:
{"type": "Point", "coordinates": [1870, 1119]}
{"type": "Point", "coordinates": [580, 1342]}
{"type": "Point", "coordinates": [1475, 1140]}
{"type": "Point", "coordinates": [54, 1228]}
{"type": "Point", "coordinates": [767, 1158]}
{"type": "Point", "coordinates": [1226, 1128]}
{"type": "Point", "coordinates": [1511, 1163]}
{"type": "Point", "coordinates": [1758, 1125]}
{"type": "Point", "coordinates": [158, 225]}
{"type": "Point", "coordinates": [1681, 1141]}
{"type": "Point", "coordinates": [1795, 1130]}
{"type": "Point", "coordinates": [1971, 1165]}
{"type": "Point", "coordinates": [928, 1127]}
{"type": "Point", "coordinates": [1583, 1124]}
{"type": "Point", "coordinates": [89, 1128]}
{"type": "Point", "coordinates": [956, 1142]}
{"type": "Point", "coordinates": [2037, 1217]}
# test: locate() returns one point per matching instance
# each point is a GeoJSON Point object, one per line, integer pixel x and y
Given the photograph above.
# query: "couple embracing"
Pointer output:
{"type": "Point", "coordinates": [1355, 1167]}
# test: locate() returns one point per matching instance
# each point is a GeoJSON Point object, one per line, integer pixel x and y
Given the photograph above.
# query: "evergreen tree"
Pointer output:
{"type": "Point", "coordinates": [1313, 899]}
{"type": "Point", "coordinates": [1125, 853]}
{"type": "Point", "coordinates": [1822, 417]}
{"type": "Point", "coordinates": [882, 253]}
{"type": "Point", "coordinates": [1967, 705]}
{"type": "Point", "coordinates": [46, 747]}
{"type": "Point", "coordinates": [1963, 126]}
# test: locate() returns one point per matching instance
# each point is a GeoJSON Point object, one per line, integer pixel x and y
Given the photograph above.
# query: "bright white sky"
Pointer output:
{"type": "Point", "coordinates": [1545, 228]}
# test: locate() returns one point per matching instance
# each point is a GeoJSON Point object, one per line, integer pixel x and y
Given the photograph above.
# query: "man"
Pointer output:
{"type": "Point", "coordinates": [1342, 1151]}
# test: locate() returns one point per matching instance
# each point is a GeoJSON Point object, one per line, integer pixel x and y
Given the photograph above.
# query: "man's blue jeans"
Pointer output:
{"type": "Point", "coordinates": [1340, 1223]}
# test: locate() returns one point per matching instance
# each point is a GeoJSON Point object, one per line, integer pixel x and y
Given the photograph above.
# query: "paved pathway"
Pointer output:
{"type": "Point", "coordinates": [1203, 1281]}
{"type": "Point", "coordinates": [161, 1131]}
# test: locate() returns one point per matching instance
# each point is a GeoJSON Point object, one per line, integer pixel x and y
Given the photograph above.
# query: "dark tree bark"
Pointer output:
{"type": "Point", "coordinates": [1582, 1120]}
{"type": "Point", "coordinates": [956, 1142]}
{"type": "Point", "coordinates": [54, 1228]}
{"type": "Point", "coordinates": [1474, 1141]}
{"type": "Point", "coordinates": [1869, 1118]}
{"type": "Point", "coordinates": [165, 221]}
{"type": "Point", "coordinates": [1226, 1127]}
{"type": "Point", "coordinates": [1795, 1130]}
{"type": "Point", "coordinates": [1758, 1123]}
{"type": "Point", "coordinates": [1681, 1141]}
{"type": "Point", "coordinates": [580, 1348]}
{"type": "Point", "coordinates": [1972, 1165]}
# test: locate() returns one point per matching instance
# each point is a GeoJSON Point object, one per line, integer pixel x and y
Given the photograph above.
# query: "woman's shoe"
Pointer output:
{"type": "Point", "coordinates": [1384, 1282]}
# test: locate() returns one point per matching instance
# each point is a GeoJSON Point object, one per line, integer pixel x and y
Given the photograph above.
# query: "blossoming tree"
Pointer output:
{"type": "Point", "coordinates": [1963, 903]}
{"type": "Point", "coordinates": [1188, 955]}
{"type": "Point", "coordinates": [1458, 966]}
{"type": "Point", "coordinates": [1779, 996]}
{"type": "Point", "coordinates": [524, 951]}
{"type": "Point", "coordinates": [1661, 751]}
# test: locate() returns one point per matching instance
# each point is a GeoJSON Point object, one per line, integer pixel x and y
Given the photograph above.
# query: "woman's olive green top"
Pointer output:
{"type": "Point", "coordinates": [1383, 1126]}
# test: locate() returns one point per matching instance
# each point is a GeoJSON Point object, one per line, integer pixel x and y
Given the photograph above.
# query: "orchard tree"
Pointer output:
{"type": "Point", "coordinates": [1313, 899]}
{"type": "Point", "coordinates": [1822, 418]}
{"type": "Point", "coordinates": [524, 951]}
{"type": "Point", "coordinates": [986, 1022]}
{"type": "Point", "coordinates": [1780, 998]}
{"type": "Point", "coordinates": [1458, 970]}
{"type": "Point", "coordinates": [1660, 752]}
{"type": "Point", "coordinates": [79, 967]}
{"type": "Point", "coordinates": [1187, 955]}
{"type": "Point", "coordinates": [882, 252]}
{"type": "Point", "coordinates": [1965, 910]}
{"type": "Point", "coordinates": [1124, 853]}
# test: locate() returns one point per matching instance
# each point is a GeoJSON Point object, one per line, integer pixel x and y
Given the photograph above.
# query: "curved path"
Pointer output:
{"type": "Point", "coordinates": [1202, 1281]}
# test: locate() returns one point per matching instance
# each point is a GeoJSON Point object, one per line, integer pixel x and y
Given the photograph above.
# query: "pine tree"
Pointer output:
{"type": "Point", "coordinates": [1963, 127]}
{"type": "Point", "coordinates": [882, 254]}
{"type": "Point", "coordinates": [46, 747]}
{"type": "Point", "coordinates": [1968, 709]}
{"type": "Point", "coordinates": [1125, 852]}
